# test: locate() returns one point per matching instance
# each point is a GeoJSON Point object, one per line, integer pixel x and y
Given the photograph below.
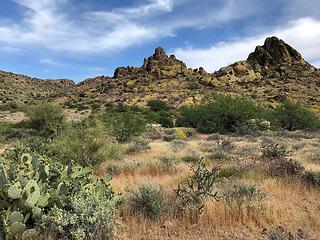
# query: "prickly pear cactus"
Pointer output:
{"type": "Point", "coordinates": [30, 185]}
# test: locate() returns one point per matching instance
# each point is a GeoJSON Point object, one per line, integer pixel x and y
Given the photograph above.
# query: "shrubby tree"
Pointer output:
{"type": "Point", "coordinates": [46, 118]}
{"type": "Point", "coordinates": [123, 125]}
{"type": "Point", "coordinates": [292, 116]}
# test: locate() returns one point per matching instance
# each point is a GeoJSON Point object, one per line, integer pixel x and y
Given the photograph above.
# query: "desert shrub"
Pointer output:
{"type": "Point", "coordinates": [193, 85]}
{"type": "Point", "coordinates": [192, 157]}
{"type": "Point", "coordinates": [234, 171]}
{"type": "Point", "coordinates": [285, 167]}
{"type": "Point", "coordinates": [181, 134]}
{"type": "Point", "coordinates": [123, 125]}
{"type": "Point", "coordinates": [313, 154]}
{"type": "Point", "coordinates": [148, 200]}
{"type": "Point", "coordinates": [41, 194]}
{"type": "Point", "coordinates": [164, 118]}
{"type": "Point", "coordinates": [226, 144]}
{"type": "Point", "coordinates": [154, 131]}
{"type": "Point", "coordinates": [199, 185]}
{"type": "Point", "coordinates": [312, 178]}
{"type": "Point", "coordinates": [253, 127]}
{"type": "Point", "coordinates": [168, 162]}
{"type": "Point", "coordinates": [47, 118]}
{"type": "Point", "coordinates": [137, 146]}
{"type": "Point", "coordinates": [292, 116]}
{"type": "Point", "coordinates": [85, 143]}
{"type": "Point", "coordinates": [178, 144]}
{"type": "Point", "coordinates": [270, 149]}
{"type": "Point", "coordinates": [243, 196]}
{"type": "Point", "coordinates": [277, 233]}
{"type": "Point", "coordinates": [219, 154]}
{"type": "Point", "coordinates": [214, 137]}
{"type": "Point", "coordinates": [223, 113]}
{"type": "Point", "coordinates": [5, 129]}
{"type": "Point", "coordinates": [113, 169]}
{"type": "Point", "coordinates": [158, 105]}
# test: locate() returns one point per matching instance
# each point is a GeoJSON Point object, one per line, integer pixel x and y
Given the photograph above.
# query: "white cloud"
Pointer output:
{"type": "Point", "coordinates": [47, 24]}
{"type": "Point", "coordinates": [50, 25]}
{"type": "Point", "coordinates": [303, 34]}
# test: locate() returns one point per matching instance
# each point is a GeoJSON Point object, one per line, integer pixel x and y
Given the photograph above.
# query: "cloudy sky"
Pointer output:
{"type": "Point", "coordinates": [78, 39]}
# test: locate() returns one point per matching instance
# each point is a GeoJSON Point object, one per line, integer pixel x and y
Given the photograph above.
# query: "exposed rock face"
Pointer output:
{"type": "Point", "coordinates": [274, 52]}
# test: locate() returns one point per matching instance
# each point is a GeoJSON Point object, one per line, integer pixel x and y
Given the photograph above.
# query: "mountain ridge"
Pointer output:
{"type": "Point", "coordinates": [272, 72]}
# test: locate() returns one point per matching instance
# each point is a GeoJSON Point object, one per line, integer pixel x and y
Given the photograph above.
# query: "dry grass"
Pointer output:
{"type": "Point", "coordinates": [289, 203]}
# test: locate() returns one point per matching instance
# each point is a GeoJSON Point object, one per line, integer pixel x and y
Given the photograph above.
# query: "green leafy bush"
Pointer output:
{"type": "Point", "coordinates": [223, 113]}
{"type": "Point", "coordinates": [164, 118]}
{"type": "Point", "coordinates": [147, 200]}
{"type": "Point", "coordinates": [85, 143]}
{"type": "Point", "coordinates": [33, 187]}
{"type": "Point", "coordinates": [292, 116]}
{"type": "Point", "coordinates": [47, 118]}
{"type": "Point", "coordinates": [123, 125]}
{"type": "Point", "coordinates": [158, 105]}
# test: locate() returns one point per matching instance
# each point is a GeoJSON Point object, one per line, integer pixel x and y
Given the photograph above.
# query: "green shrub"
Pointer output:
{"type": "Point", "coordinates": [164, 118]}
{"type": "Point", "coordinates": [223, 113]}
{"type": "Point", "coordinates": [124, 125]}
{"type": "Point", "coordinates": [292, 116]}
{"type": "Point", "coordinates": [158, 105]}
{"type": "Point", "coordinates": [147, 200]}
{"type": "Point", "coordinates": [190, 116]}
{"type": "Point", "coordinates": [5, 129]}
{"type": "Point", "coordinates": [85, 143]}
{"type": "Point", "coordinates": [47, 118]}
{"type": "Point", "coordinates": [312, 178]}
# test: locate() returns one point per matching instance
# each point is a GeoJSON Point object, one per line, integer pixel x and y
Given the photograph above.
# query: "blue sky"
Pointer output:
{"type": "Point", "coordinates": [77, 39]}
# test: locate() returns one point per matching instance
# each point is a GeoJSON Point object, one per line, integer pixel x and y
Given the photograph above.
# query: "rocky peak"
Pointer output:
{"type": "Point", "coordinates": [274, 52]}
{"type": "Point", "coordinates": [159, 54]}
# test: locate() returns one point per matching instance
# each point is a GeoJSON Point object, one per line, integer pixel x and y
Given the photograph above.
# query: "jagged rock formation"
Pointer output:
{"type": "Point", "coordinates": [274, 52]}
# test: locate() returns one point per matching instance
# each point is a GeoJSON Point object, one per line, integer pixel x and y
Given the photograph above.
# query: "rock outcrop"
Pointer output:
{"type": "Point", "coordinates": [275, 52]}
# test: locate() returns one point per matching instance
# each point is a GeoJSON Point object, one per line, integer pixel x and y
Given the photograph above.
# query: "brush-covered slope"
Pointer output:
{"type": "Point", "coordinates": [22, 89]}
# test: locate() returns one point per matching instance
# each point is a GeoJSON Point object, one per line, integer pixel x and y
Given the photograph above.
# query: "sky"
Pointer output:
{"type": "Point", "coordinates": [78, 39]}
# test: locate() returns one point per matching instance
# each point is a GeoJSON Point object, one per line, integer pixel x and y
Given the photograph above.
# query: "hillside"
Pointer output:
{"type": "Point", "coordinates": [23, 89]}
{"type": "Point", "coordinates": [272, 73]}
